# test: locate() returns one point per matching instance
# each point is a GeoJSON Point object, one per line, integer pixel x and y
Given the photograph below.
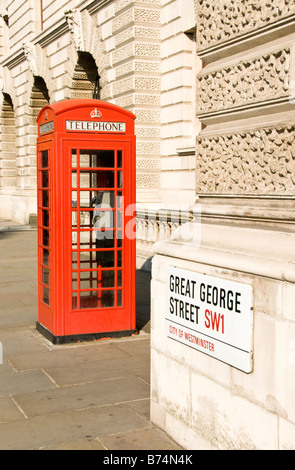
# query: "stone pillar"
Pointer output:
{"type": "Point", "coordinates": [8, 157]}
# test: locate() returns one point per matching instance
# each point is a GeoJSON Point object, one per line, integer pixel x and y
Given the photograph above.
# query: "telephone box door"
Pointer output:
{"type": "Point", "coordinates": [100, 236]}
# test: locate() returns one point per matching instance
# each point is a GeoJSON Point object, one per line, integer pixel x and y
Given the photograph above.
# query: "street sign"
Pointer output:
{"type": "Point", "coordinates": [212, 315]}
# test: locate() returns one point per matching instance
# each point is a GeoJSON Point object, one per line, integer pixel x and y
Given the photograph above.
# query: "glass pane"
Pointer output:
{"type": "Point", "coordinates": [44, 159]}
{"type": "Point", "coordinates": [119, 199]}
{"type": "Point", "coordinates": [86, 274]}
{"type": "Point", "coordinates": [103, 219]}
{"type": "Point", "coordinates": [97, 158]}
{"type": "Point", "coordinates": [108, 278]}
{"type": "Point", "coordinates": [74, 158]}
{"type": "Point", "coordinates": [98, 219]}
{"type": "Point", "coordinates": [105, 158]}
{"type": "Point", "coordinates": [88, 284]}
{"type": "Point", "coordinates": [45, 179]}
{"type": "Point", "coordinates": [86, 198]}
{"type": "Point", "coordinates": [45, 276]}
{"type": "Point", "coordinates": [97, 244]}
{"type": "Point", "coordinates": [96, 238]}
{"type": "Point", "coordinates": [96, 299]}
{"type": "Point", "coordinates": [86, 219]}
{"type": "Point", "coordinates": [105, 243]}
{"type": "Point", "coordinates": [106, 259]}
{"type": "Point", "coordinates": [74, 281]}
{"type": "Point", "coordinates": [90, 280]}
{"type": "Point", "coordinates": [85, 158]}
{"type": "Point", "coordinates": [74, 240]}
{"type": "Point", "coordinates": [119, 259]}
{"type": "Point", "coordinates": [74, 219]}
{"type": "Point", "coordinates": [119, 236]}
{"type": "Point", "coordinates": [119, 156]}
{"type": "Point", "coordinates": [74, 301]}
{"type": "Point", "coordinates": [74, 260]}
{"type": "Point", "coordinates": [45, 257]}
{"type": "Point", "coordinates": [108, 298]}
{"type": "Point", "coordinates": [88, 260]}
{"type": "Point", "coordinates": [45, 218]}
{"type": "Point", "coordinates": [45, 295]}
{"type": "Point", "coordinates": [74, 199]}
{"type": "Point", "coordinates": [45, 237]}
{"type": "Point", "coordinates": [74, 179]}
{"type": "Point", "coordinates": [87, 239]}
{"type": "Point", "coordinates": [119, 279]}
{"type": "Point", "coordinates": [120, 179]}
{"type": "Point", "coordinates": [103, 199]}
{"type": "Point", "coordinates": [89, 300]}
{"type": "Point", "coordinates": [45, 198]}
{"type": "Point", "coordinates": [119, 219]}
{"type": "Point", "coordinates": [85, 180]}
{"type": "Point", "coordinates": [119, 298]}
{"type": "Point", "coordinates": [97, 179]}
{"type": "Point", "coordinates": [88, 256]}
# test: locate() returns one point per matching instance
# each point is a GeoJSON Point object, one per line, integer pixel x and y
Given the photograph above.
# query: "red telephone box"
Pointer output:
{"type": "Point", "coordinates": [86, 221]}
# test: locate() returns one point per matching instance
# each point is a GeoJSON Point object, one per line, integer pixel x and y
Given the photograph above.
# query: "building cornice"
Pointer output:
{"type": "Point", "coordinates": [267, 107]}
{"type": "Point", "coordinates": [52, 33]}
{"type": "Point", "coordinates": [248, 40]}
{"type": "Point", "coordinates": [61, 27]}
{"type": "Point", "coordinates": [14, 59]}
{"type": "Point", "coordinates": [93, 6]}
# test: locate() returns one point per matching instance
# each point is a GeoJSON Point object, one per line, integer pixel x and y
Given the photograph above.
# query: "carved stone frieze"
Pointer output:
{"type": "Point", "coordinates": [249, 81]}
{"type": "Point", "coordinates": [227, 19]}
{"type": "Point", "coordinates": [258, 162]}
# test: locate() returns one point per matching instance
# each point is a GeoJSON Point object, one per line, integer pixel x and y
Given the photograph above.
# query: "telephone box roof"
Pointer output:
{"type": "Point", "coordinates": [66, 105]}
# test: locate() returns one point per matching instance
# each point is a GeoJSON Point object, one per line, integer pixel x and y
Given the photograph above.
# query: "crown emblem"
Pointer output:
{"type": "Point", "coordinates": [95, 113]}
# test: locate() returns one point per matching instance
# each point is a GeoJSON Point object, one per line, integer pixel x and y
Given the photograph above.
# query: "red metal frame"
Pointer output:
{"type": "Point", "coordinates": [86, 187]}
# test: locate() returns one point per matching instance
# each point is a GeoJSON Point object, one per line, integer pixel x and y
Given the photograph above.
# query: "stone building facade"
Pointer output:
{"type": "Point", "coordinates": [245, 189]}
{"type": "Point", "coordinates": [55, 50]}
{"type": "Point", "coordinates": [212, 88]}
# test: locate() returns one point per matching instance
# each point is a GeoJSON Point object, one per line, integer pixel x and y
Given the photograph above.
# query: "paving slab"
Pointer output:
{"type": "Point", "coordinates": [86, 444]}
{"type": "Point", "coordinates": [144, 439]}
{"type": "Point", "coordinates": [50, 357]}
{"type": "Point", "coordinates": [142, 407]}
{"type": "Point", "coordinates": [9, 411]}
{"type": "Point", "coordinates": [15, 317]}
{"type": "Point", "coordinates": [24, 382]}
{"type": "Point", "coordinates": [92, 371]}
{"type": "Point", "coordinates": [86, 396]}
{"type": "Point", "coordinates": [21, 341]}
{"type": "Point", "coordinates": [70, 426]}
{"type": "Point", "coordinates": [83, 396]}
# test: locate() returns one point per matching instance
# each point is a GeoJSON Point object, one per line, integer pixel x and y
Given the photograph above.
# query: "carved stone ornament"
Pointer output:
{"type": "Point", "coordinates": [74, 21]}
{"type": "Point", "coordinates": [257, 162]}
{"type": "Point", "coordinates": [30, 56]}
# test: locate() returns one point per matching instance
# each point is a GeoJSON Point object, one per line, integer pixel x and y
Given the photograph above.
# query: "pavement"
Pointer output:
{"type": "Point", "coordinates": [84, 396]}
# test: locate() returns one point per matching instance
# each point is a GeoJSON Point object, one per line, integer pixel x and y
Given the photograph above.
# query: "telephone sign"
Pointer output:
{"type": "Point", "coordinates": [86, 202]}
{"type": "Point", "coordinates": [96, 126]}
